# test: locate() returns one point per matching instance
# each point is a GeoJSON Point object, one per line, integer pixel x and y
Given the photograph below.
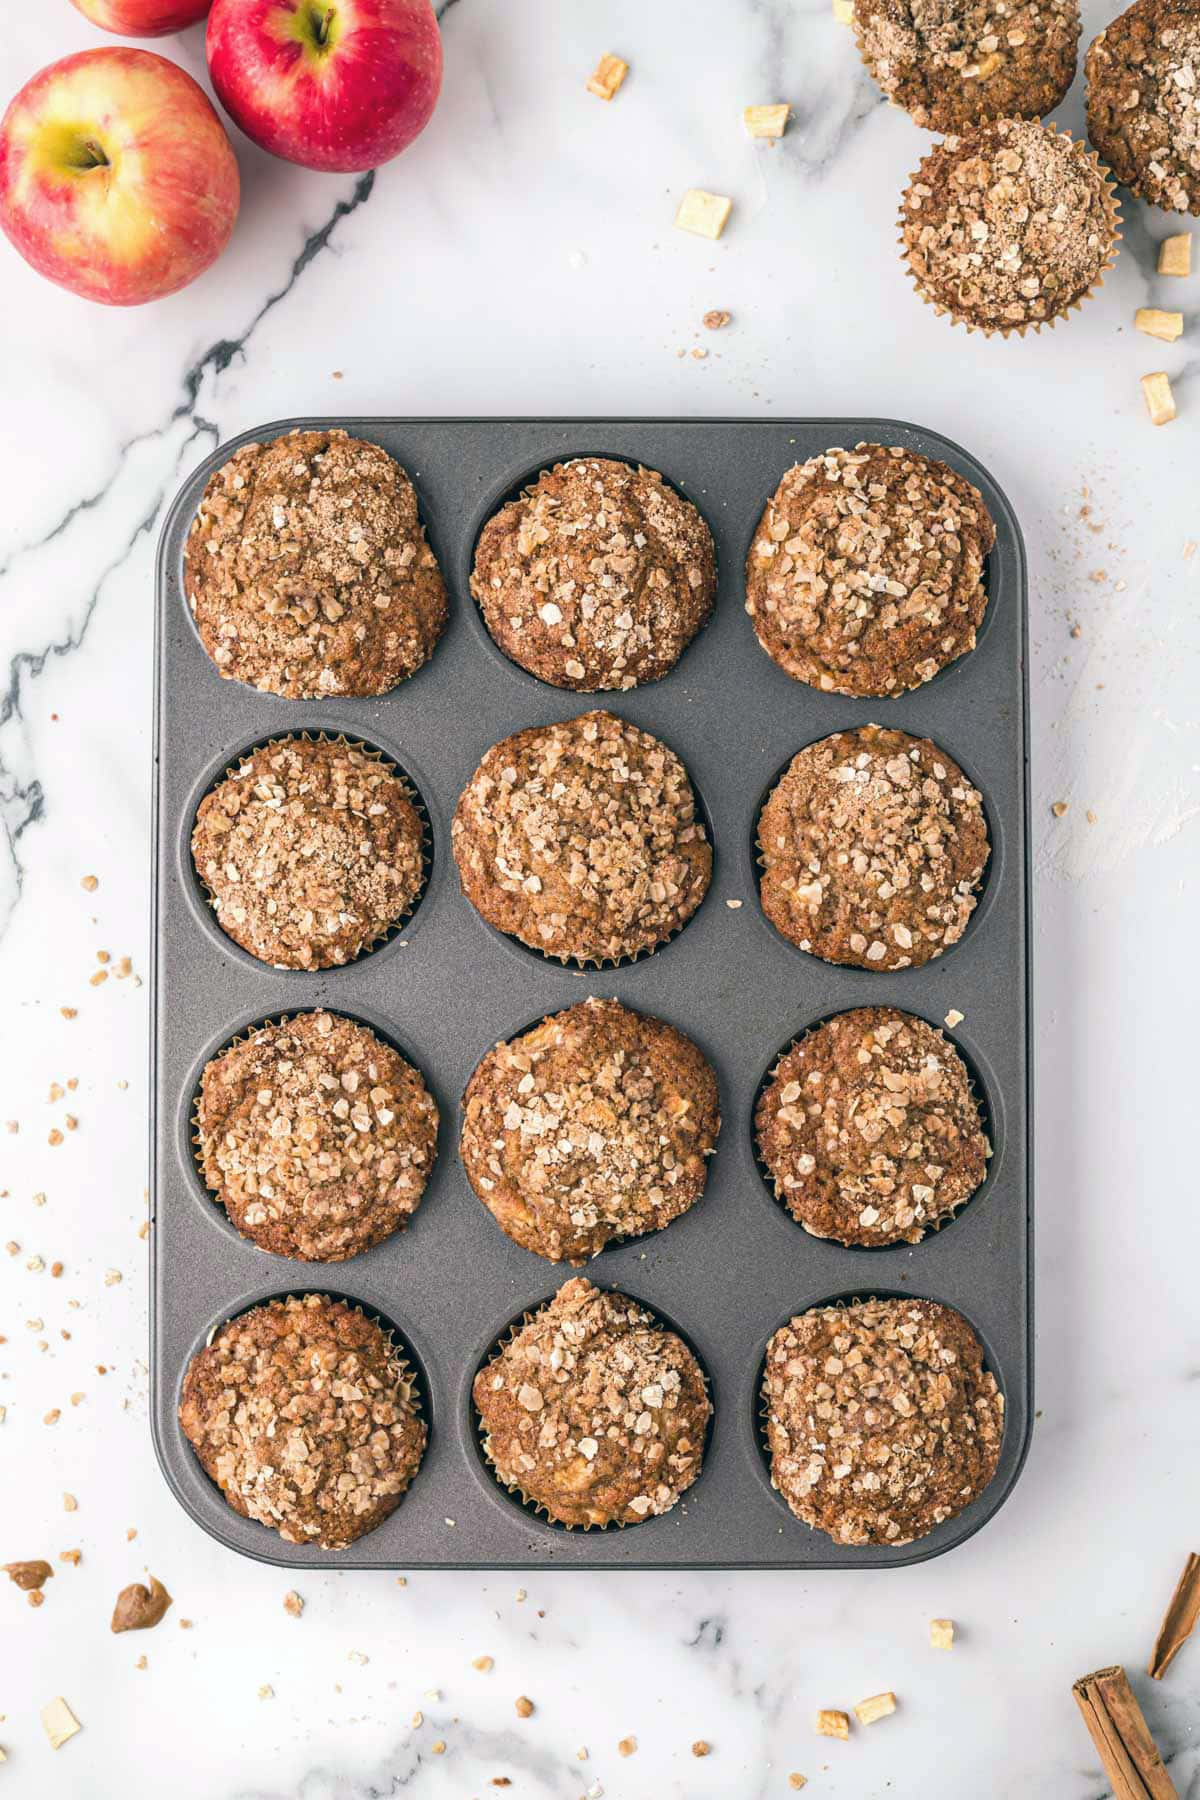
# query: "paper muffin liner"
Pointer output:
{"type": "Point", "coordinates": [537, 1508]}
{"type": "Point", "coordinates": [213, 1196]}
{"type": "Point", "coordinates": [400, 1357]}
{"type": "Point", "coordinates": [1112, 215]}
{"type": "Point", "coordinates": [412, 792]}
{"type": "Point", "coordinates": [974, 1088]}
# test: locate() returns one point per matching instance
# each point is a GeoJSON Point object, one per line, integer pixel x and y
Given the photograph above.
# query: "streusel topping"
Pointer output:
{"type": "Point", "coordinates": [307, 569]}
{"type": "Point", "coordinates": [873, 845]}
{"type": "Point", "coordinates": [582, 839]}
{"type": "Point", "coordinates": [594, 1411]}
{"type": "Point", "coordinates": [1143, 101]}
{"type": "Point", "coordinates": [310, 850]}
{"type": "Point", "coordinates": [1008, 225]}
{"type": "Point", "coordinates": [956, 63]}
{"type": "Point", "coordinates": [305, 1415]}
{"type": "Point", "coordinates": [881, 1418]}
{"type": "Point", "coordinates": [594, 1125]}
{"type": "Point", "coordinates": [598, 576]}
{"type": "Point", "coordinates": [870, 1130]}
{"type": "Point", "coordinates": [866, 572]}
{"type": "Point", "coordinates": [316, 1136]}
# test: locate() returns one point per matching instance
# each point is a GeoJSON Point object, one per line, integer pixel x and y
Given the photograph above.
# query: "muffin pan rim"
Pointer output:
{"type": "Point", "coordinates": [773, 445]}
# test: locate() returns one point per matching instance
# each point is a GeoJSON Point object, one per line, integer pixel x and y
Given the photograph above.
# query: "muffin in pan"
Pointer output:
{"type": "Point", "coordinates": [306, 1416]}
{"type": "Point", "coordinates": [873, 845]}
{"type": "Point", "coordinates": [869, 1129]}
{"type": "Point", "coordinates": [1143, 78]}
{"type": "Point", "coordinates": [1008, 227]}
{"type": "Point", "coordinates": [881, 1420]}
{"type": "Point", "coordinates": [582, 840]}
{"type": "Point", "coordinates": [866, 571]}
{"type": "Point", "coordinates": [593, 1412]}
{"type": "Point", "coordinates": [597, 576]}
{"type": "Point", "coordinates": [594, 1125]}
{"type": "Point", "coordinates": [307, 570]}
{"type": "Point", "coordinates": [316, 1136]}
{"type": "Point", "coordinates": [955, 63]}
{"type": "Point", "coordinates": [311, 850]}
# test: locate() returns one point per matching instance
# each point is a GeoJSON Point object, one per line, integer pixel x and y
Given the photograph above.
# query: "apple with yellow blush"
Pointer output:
{"type": "Point", "coordinates": [117, 179]}
{"type": "Point", "coordinates": [143, 18]}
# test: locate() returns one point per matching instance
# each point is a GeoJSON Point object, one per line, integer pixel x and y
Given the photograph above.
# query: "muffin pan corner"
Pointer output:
{"type": "Point", "coordinates": [734, 1267]}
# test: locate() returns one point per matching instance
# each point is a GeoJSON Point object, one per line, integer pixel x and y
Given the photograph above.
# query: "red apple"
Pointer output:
{"type": "Point", "coordinates": [116, 177]}
{"type": "Point", "coordinates": [331, 84]}
{"type": "Point", "coordinates": [143, 18]}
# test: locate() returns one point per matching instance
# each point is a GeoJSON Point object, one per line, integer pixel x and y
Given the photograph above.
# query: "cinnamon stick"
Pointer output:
{"type": "Point", "coordinates": [1120, 1734]}
{"type": "Point", "coordinates": [1179, 1620]}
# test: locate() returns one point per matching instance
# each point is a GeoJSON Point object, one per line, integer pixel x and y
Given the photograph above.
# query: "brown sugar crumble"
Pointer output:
{"type": "Point", "coordinates": [865, 575]}
{"type": "Point", "coordinates": [882, 1421]}
{"type": "Point", "coordinates": [307, 570]}
{"type": "Point", "coordinates": [310, 850]}
{"type": "Point", "coordinates": [140, 1608]}
{"type": "Point", "coordinates": [592, 1411]}
{"type": "Point", "coordinates": [582, 839]}
{"type": "Point", "coordinates": [873, 845]}
{"type": "Point", "coordinates": [598, 576]}
{"type": "Point", "coordinates": [960, 64]}
{"type": "Point", "coordinates": [1008, 226]}
{"type": "Point", "coordinates": [316, 1136]}
{"type": "Point", "coordinates": [595, 1125]}
{"type": "Point", "coordinates": [524, 1707]}
{"type": "Point", "coordinates": [1143, 74]}
{"type": "Point", "coordinates": [869, 1129]}
{"type": "Point", "coordinates": [305, 1415]}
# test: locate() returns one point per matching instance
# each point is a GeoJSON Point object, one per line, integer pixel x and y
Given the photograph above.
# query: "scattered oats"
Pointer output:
{"type": "Point", "coordinates": [141, 1663]}
{"type": "Point", "coordinates": [418, 1720]}
{"type": "Point", "coordinates": [1059, 808]}
{"type": "Point", "coordinates": [1091, 817]}
{"type": "Point", "coordinates": [98, 979]}
{"type": "Point", "coordinates": [794, 1780]}
{"type": "Point", "coordinates": [112, 1277]}
{"type": "Point", "coordinates": [55, 1138]}
{"type": "Point", "coordinates": [89, 884]}
{"type": "Point", "coordinates": [733, 905]}
{"type": "Point", "coordinates": [53, 1416]}
{"type": "Point", "coordinates": [13, 1248]}
{"type": "Point", "coordinates": [582, 1753]}
{"type": "Point", "coordinates": [74, 1557]}
{"type": "Point", "coordinates": [266, 1691]}
{"type": "Point", "coordinates": [609, 73]}
{"type": "Point", "coordinates": [716, 320]}
{"type": "Point", "coordinates": [833, 1724]}
{"type": "Point", "coordinates": [293, 1604]}
{"type": "Point", "coordinates": [56, 1269]}
{"type": "Point", "coordinates": [483, 1664]}
{"type": "Point", "coordinates": [941, 1634]}
{"type": "Point", "coordinates": [59, 1722]}
{"type": "Point", "coordinates": [357, 1656]}
{"type": "Point", "coordinates": [627, 1746]}
{"type": "Point", "coordinates": [876, 1706]}
{"type": "Point", "coordinates": [69, 1012]}
{"type": "Point", "coordinates": [701, 1748]}
{"type": "Point", "coordinates": [439, 1747]}
{"type": "Point", "coordinates": [70, 1503]}
{"type": "Point", "coordinates": [144, 1229]}
{"type": "Point", "coordinates": [521, 1595]}
{"type": "Point", "coordinates": [35, 1265]}
{"type": "Point", "coordinates": [699, 353]}
{"type": "Point", "coordinates": [12, 1126]}
{"type": "Point", "coordinates": [78, 1397]}
{"type": "Point", "coordinates": [524, 1706]}
{"type": "Point", "coordinates": [71, 1122]}
{"type": "Point", "coordinates": [184, 1624]}
{"type": "Point", "coordinates": [130, 1534]}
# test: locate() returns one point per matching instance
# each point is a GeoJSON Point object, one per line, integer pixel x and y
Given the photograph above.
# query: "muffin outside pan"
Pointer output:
{"type": "Point", "coordinates": [310, 851]}
{"type": "Point", "coordinates": [316, 1136]}
{"type": "Point", "coordinates": [582, 840]}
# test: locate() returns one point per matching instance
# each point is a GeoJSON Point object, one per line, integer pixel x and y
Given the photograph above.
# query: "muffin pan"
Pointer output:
{"type": "Point", "coordinates": [446, 987]}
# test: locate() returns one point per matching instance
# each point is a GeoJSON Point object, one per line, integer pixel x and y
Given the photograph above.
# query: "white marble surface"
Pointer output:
{"type": "Point", "coordinates": [521, 259]}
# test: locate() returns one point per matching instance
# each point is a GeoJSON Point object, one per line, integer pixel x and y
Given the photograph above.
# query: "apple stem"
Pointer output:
{"type": "Point", "coordinates": [323, 22]}
{"type": "Point", "coordinates": [91, 156]}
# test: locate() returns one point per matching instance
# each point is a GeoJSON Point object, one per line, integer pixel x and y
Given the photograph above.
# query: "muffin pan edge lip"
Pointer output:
{"type": "Point", "coordinates": [753, 452]}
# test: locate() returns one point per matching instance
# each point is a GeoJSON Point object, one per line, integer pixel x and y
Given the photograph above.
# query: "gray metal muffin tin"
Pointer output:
{"type": "Point", "coordinates": [448, 987]}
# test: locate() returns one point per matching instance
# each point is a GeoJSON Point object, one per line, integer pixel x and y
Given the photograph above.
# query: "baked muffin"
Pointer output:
{"type": "Point", "coordinates": [307, 570]}
{"type": "Point", "coordinates": [582, 839]}
{"type": "Point", "coordinates": [955, 63]}
{"type": "Point", "coordinates": [1143, 79]}
{"type": "Point", "coordinates": [599, 576]}
{"type": "Point", "coordinates": [866, 572]}
{"type": "Point", "coordinates": [1008, 226]}
{"type": "Point", "coordinates": [316, 1137]}
{"type": "Point", "coordinates": [873, 845]}
{"type": "Point", "coordinates": [310, 850]}
{"type": "Point", "coordinates": [595, 1125]}
{"type": "Point", "coordinates": [869, 1129]}
{"type": "Point", "coordinates": [306, 1416]}
{"type": "Point", "coordinates": [593, 1411]}
{"type": "Point", "coordinates": [882, 1421]}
